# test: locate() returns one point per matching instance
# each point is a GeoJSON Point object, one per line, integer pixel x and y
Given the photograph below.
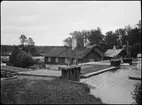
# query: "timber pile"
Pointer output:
{"type": "Point", "coordinates": [10, 71]}
{"type": "Point", "coordinates": [7, 73]}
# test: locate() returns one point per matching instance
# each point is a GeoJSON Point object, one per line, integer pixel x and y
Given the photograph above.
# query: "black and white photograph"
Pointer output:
{"type": "Point", "coordinates": [71, 52]}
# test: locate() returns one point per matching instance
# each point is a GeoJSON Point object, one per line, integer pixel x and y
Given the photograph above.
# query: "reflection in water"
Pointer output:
{"type": "Point", "coordinates": [113, 87]}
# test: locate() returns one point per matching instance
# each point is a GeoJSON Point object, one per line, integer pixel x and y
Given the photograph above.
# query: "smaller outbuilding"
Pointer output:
{"type": "Point", "coordinates": [117, 53]}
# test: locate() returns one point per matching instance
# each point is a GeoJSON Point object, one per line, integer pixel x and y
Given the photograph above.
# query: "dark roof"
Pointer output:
{"type": "Point", "coordinates": [43, 50]}
{"type": "Point", "coordinates": [77, 53]}
{"type": "Point", "coordinates": [66, 52]}
{"type": "Point", "coordinates": [112, 52]}
{"type": "Point", "coordinates": [56, 51]}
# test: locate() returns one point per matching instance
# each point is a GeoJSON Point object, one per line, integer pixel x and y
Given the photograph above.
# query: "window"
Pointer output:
{"type": "Point", "coordinates": [91, 60]}
{"type": "Point", "coordinates": [49, 59]}
{"type": "Point", "coordinates": [57, 60]}
{"type": "Point", "coordinates": [66, 60]}
{"type": "Point", "coordinates": [74, 61]}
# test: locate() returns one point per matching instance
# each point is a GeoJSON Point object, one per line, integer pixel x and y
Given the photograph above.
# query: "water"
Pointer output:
{"type": "Point", "coordinates": [113, 87]}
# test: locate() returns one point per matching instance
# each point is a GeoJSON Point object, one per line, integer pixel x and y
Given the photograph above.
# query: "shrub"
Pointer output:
{"type": "Point", "coordinates": [137, 93]}
{"type": "Point", "coordinates": [20, 58]}
{"type": "Point", "coordinates": [24, 59]}
{"type": "Point", "coordinates": [12, 58]}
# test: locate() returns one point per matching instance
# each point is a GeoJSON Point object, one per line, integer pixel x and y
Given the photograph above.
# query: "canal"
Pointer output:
{"type": "Point", "coordinates": [113, 87]}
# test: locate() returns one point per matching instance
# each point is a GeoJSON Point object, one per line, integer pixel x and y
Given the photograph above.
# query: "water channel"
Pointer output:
{"type": "Point", "coordinates": [113, 87]}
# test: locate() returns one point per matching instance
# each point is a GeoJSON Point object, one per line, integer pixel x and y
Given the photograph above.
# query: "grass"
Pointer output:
{"type": "Point", "coordinates": [93, 68]}
{"type": "Point", "coordinates": [26, 91]}
{"type": "Point", "coordinates": [13, 68]}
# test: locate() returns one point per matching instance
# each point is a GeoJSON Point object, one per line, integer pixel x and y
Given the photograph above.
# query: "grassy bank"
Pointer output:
{"type": "Point", "coordinates": [27, 91]}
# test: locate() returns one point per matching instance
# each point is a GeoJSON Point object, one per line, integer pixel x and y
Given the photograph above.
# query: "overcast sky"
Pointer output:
{"type": "Point", "coordinates": [50, 22]}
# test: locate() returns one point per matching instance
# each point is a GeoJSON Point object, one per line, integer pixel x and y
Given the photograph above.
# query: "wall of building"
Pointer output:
{"type": "Point", "coordinates": [92, 55]}
{"type": "Point", "coordinates": [99, 51]}
{"type": "Point", "coordinates": [53, 60]}
{"type": "Point", "coordinates": [61, 61]}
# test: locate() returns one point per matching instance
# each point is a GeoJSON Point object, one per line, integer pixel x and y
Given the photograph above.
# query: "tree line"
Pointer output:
{"type": "Point", "coordinates": [123, 36]}
{"type": "Point", "coordinates": [26, 44]}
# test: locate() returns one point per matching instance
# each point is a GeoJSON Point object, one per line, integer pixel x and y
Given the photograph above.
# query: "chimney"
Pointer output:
{"type": "Point", "coordinates": [114, 47]}
{"type": "Point", "coordinates": [74, 43]}
{"type": "Point", "coordinates": [124, 46]}
{"type": "Point", "coordinates": [86, 42]}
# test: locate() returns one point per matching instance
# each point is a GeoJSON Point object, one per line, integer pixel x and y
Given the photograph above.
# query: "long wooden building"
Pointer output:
{"type": "Point", "coordinates": [64, 55]}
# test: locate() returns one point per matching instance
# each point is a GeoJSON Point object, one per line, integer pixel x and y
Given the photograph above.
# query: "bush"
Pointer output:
{"type": "Point", "coordinates": [137, 94]}
{"type": "Point", "coordinates": [20, 58]}
{"type": "Point", "coordinates": [24, 59]}
{"type": "Point", "coordinates": [12, 58]}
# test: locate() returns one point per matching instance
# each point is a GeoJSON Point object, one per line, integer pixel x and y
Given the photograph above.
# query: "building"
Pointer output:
{"type": "Point", "coordinates": [64, 55]}
{"type": "Point", "coordinates": [114, 53]}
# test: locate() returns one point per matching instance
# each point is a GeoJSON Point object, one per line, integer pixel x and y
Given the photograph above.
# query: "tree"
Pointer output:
{"type": "Point", "coordinates": [79, 35]}
{"type": "Point", "coordinates": [111, 39]}
{"type": "Point", "coordinates": [122, 38]}
{"type": "Point", "coordinates": [23, 39]}
{"type": "Point", "coordinates": [80, 38]}
{"type": "Point", "coordinates": [88, 36]}
{"type": "Point", "coordinates": [68, 42]}
{"type": "Point", "coordinates": [95, 36]}
{"type": "Point", "coordinates": [29, 48]}
{"type": "Point", "coordinates": [30, 41]}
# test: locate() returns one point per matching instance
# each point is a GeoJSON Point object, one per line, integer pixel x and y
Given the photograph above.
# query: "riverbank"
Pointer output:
{"type": "Point", "coordinates": [37, 91]}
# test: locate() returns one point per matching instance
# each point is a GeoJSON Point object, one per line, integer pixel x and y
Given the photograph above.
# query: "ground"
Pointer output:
{"type": "Point", "coordinates": [28, 88]}
{"type": "Point", "coordinates": [39, 91]}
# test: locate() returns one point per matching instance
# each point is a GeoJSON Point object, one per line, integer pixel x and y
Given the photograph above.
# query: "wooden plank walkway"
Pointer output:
{"type": "Point", "coordinates": [98, 72]}
{"type": "Point", "coordinates": [134, 78]}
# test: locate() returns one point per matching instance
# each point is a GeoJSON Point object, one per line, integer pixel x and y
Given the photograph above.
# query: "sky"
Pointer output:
{"type": "Point", "coordinates": [50, 22]}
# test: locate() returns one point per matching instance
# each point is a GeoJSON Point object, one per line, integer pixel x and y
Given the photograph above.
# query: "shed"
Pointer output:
{"type": "Point", "coordinates": [110, 53]}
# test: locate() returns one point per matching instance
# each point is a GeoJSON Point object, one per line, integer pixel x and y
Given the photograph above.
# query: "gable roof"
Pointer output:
{"type": "Point", "coordinates": [77, 53]}
{"type": "Point", "coordinates": [112, 52]}
{"type": "Point", "coordinates": [66, 52]}
{"type": "Point", "coordinates": [95, 45]}
{"type": "Point", "coordinates": [56, 51]}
